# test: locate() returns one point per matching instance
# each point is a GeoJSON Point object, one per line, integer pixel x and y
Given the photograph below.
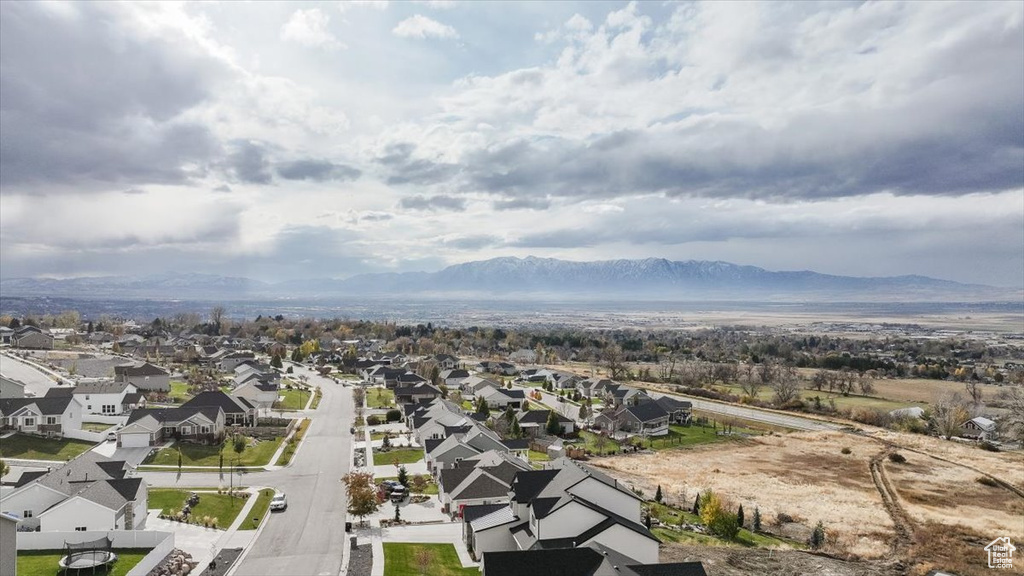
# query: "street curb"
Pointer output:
{"type": "Point", "coordinates": [255, 537]}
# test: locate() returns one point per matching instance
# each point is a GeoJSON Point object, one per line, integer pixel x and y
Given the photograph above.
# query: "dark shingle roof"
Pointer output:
{"type": "Point", "coordinates": [516, 443]}
{"type": "Point", "coordinates": [647, 411]}
{"type": "Point", "coordinates": [671, 404]}
{"type": "Point", "coordinates": [529, 483]}
{"type": "Point", "coordinates": [214, 398]}
{"type": "Point", "coordinates": [560, 562]}
{"type": "Point", "coordinates": [48, 405]}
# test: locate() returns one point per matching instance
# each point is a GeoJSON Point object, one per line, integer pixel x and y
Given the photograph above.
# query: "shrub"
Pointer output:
{"type": "Point", "coordinates": [373, 420]}
{"type": "Point", "coordinates": [783, 518]}
{"type": "Point", "coordinates": [394, 415]}
{"type": "Point", "coordinates": [817, 539]}
{"type": "Point", "coordinates": [988, 446]}
{"type": "Point", "coordinates": [987, 481]}
{"type": "Point", "coordinates": [846, 450]}
{"type": "Point", "coordinates": [897, 458]}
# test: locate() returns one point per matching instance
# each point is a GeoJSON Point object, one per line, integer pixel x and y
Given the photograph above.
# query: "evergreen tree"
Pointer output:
{"type": "Point", "coordinates": [657, 495]}
{"type": "Point", "coordinates": [553, 427]}
{"type": "Point", "coordinates": [482, 407]}
{"type": "Point", "coordinates": [403, 476]}
{"type": "Point", "coordinates": [515, 431]}
{"type": "Point", "coordinates": [739, 516]}
{"type": "Point", "coordinates": [757, 519]}
{"type": "Point", "coordinates": [817, 539]}
{"type": "Point", "coordinates": [696, 504]}
{"type": "Point", "coordinates": [276, 362]}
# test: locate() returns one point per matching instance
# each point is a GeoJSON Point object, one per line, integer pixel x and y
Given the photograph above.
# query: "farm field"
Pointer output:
{"type": "Point", "coordinates": [807, 476]}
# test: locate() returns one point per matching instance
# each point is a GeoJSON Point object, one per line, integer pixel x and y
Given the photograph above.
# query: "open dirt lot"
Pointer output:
{"type": "Point", "coordinates": [806, 476]}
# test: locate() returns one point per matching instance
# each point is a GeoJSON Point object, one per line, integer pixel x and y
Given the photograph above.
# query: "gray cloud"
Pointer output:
{"type": "Point", "coordinates": [248, 162]}
{"type": "Point", "coordinates": [440, 202]}
{"type": "Point", "coordinates": [402, 168]}
{"type": "Point", "coordinates": [134, 191]}
{"type": "Point", "coordinates": [86, 106]}
{"type": "Point", "coordinates": [521, 204]}
{"type": "Point", "coordinates": [473, 242]}
{"type": "Point", "coordinates": [224, 188]}
{"type": "Point", "coordinates": [317, 171]}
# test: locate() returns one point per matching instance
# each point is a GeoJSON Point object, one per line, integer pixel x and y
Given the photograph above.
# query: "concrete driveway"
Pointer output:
{"type": "Point", "coordinates": [133, 456]}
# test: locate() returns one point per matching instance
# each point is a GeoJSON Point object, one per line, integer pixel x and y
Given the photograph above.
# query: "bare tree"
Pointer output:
{"type": "Point", "coordinates": [1012, 424]}
{"type": "Point", "coordinates": [974, 390]}
{"type": "Point", "coordinates": [785, 385]}
{"type": "Point", "coordinates": [948, 414]}
{"type": "Point", "coordinates": [751, 382]}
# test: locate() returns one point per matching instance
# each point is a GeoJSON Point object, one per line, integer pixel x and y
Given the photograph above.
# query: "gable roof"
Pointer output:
{"type": "Point", "coordinates": [174, 415]}
{"type": "Point", "coordinates": [471, 512]}
{"type": "Point", "coordinates": [670, 404]}
{"type": "Point", "coordinates": [47, 405]}
{"type": "Point", "coordinates": [146, 369]}
{"type": "Point", "coordinates": [229, 404]}
{"type": "Point", "coordinates": [646, 411]}
{"type": "Point", "coordinates": [557, 562]}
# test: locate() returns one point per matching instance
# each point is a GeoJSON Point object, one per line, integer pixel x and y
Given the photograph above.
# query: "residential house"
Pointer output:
{"type": "Point", "coordinates": [8, 544]}
{"type": "Point", "coordinates": [416, 393]}
{"type": "Point", "coordinates": [145, 377]}
{"type": "Point", "coordinates": [534, 422]}
{"type": "Point", "coordinates": [454, 378]}
{"type": "Point", "coordinates": [523, 356]}
{"type": "Point", "coordinates": [229, 360]}
{"type": "Point", "coordinates": [591, 560]}
{"type": "Point", "coordinates": [91, 492]}
{"type": "Point", "coordinates": [260, 394]}
{"type": "Point", "coordinates": [152, 426]}
{"type": "Point", "coordinates": [980, 428]}
{"type": "Point", "coordinates": [446, 361]}
{"type": "Point", "coordinates": [679, 411]}
{"type": "Point", "coordinates": [562, 380]}
{"type": "Point", "coordinates": [32, 338]}
{"type": "Point", "coordinates": [482, 479]}
{"type": "Point", "coordinates": [567, 505]}
{"type": "Point", "coordinates": [645, 418]}
{"type": "Point", "coordinates": [618, 395]}
{"type": "Point", "coordinates": [11, 388]}
{"type": "Point", "coordinates": [47, 416]}
{"type": "Point", "coordinates": [6, 334]}
{"type": "Point", "coordinates": [238, 411]}
{"type": "Point", "coordinates": [501, 398]}
{"type": "Point", "coordinates": [105, 398]}
{"type": "Point", "coordinates": [502, 368]}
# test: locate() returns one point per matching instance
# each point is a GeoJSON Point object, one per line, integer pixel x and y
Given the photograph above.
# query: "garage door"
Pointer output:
{"type": "Point", "coordinates": [135, 440]}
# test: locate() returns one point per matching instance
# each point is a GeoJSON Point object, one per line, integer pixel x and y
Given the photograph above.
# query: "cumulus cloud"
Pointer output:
{"type": "Point", "coordinates": [440, 202]}
{"type": "Point", "coordinates": [248, 162]}
{"type": "Point", "coordinates": [309, 28]}
{"type": "Point", "coordinates": [419, 26]}
{"type": "Point", "coordinates": [521, 204]}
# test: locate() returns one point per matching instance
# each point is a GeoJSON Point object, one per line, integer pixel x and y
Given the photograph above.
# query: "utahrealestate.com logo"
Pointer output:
{"type": "Point", "coordinates": [1000, 553]}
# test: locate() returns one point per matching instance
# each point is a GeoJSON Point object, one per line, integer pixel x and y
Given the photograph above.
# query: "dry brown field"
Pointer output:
{"type": "Point", "coordinates": [806, 476]}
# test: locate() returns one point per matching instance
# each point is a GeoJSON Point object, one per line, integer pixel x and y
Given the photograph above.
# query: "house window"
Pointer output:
{"type": "Point", "coordinates": [80, 528]}
{"type": "Point", "coordinates": [28, 422]}
{"type": "Point", "coordinates": [204, 429]}
{"type": "Point", "coordinates": [26, 514]}
{"type": "Point", "coordinates": [186, 430]}
{"type": "Point", "coordinates": [51, 419]}
{"type": "Point", "coordinates": [89, 407]}
{"type": "Point", "coordinates": [109, 409]}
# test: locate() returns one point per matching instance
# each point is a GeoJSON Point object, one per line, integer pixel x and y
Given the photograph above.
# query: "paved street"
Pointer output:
{"type": "Point", "coordinates": [36, 382]}
{"type": "Point", "coordinates": [307, 539]}
{"type": "Point", "coordinates": [786, 420]}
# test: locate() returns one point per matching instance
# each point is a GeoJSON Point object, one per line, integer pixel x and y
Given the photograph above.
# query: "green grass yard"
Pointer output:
{"type": "Point", "coordinates": [202, 455]}
{"type": "Point", "coordinates": [294, 399]}
{"type": "Point", "coordinates": [179, 391]}
{"type": "Point", "coordinates": [220, 506]}
{"type": "Point", "coordinates": [671, 516]}
{"type": "Point", "coordinates": [96, 427]}
{"type": "Point", "coordinates": [590, 443]}
{"type": "Point", "coordinates": [379, 398]}
{"type": "Point", "coordinates": [24, 447]}
{"type": "Point", "coordinates": [535, 456]}
{"type": "Point", "coordinates": [45, 562]}
{"type": "Point", "coordinates": [404, 456]}
{"type": "Point", "coordinates": [259, 509]}
{"type": "Point", "coordinates": [684, 436]}
{"type": "Point", "coordinates": [401, 559]}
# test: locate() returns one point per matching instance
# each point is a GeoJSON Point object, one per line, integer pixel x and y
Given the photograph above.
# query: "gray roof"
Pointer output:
{"type": "Point", "coordinates": [78, 474]}
{"type": "Point", "coordinates": [497, 518]}
{"type": "Point", "coordinates": [101, 388]}
{"type": "Point", "coordinates": [48, 405]}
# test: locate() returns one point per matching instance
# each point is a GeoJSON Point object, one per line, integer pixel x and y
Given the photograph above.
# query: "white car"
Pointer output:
{"type": "Point", "coordinates": [278, 502]}
{"type": "Point", "coordinates": [111, 436]}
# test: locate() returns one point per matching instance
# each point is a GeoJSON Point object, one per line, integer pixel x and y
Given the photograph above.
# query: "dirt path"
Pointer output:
{"type": "Point", "coordinates": [890, 499]}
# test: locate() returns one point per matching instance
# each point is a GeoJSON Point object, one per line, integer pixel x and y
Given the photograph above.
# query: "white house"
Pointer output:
{"type": "Point", "coordinates": [979, 427]}
{"type": "Point", "coordinates": [149, 427]}
{"type": "Point", "coordinates": [106, 398]}
{"type": "Point", "coordinates": [568, 505]}
{"type": "Point", "coordinates": [8, 544]}
{"type": "Point", "coordinates": [258, 393]}
{"type": "Point", "coordinates": [49, 416]}
{"type": "Point", "coordinates": [90, 492]}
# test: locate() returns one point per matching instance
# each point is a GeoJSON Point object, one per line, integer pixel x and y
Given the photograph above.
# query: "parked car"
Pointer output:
{"type": "Point", "coordinates": [111, 437]}
{"type": "Point", "coordinates": [278, 502]}
{"type": "Point", "coordinates": [398, 493]}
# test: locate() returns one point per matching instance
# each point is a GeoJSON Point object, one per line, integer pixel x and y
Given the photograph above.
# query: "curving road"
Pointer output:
{"type": "Point", "coordinates": [36, 381]}
{"type": "Point", "coordinates": [754, 414]}
{"type": "Point", "coordinates": [308, 538]}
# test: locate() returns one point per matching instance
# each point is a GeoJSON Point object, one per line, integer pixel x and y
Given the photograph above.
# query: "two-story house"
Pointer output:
{"type": "Point", "coordinates": [49, 416]}
{"type": "Point", "coordinates": [145, 377]}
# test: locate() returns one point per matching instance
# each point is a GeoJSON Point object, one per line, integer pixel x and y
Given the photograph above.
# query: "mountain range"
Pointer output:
{"type": "Point", "coordinates": [646, 279]}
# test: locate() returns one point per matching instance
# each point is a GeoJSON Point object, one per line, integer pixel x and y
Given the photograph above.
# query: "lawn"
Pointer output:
{"type": "Point", "coordinates": [402, 559]}
{"type": "Point", "coordinates": [590, 443]}
{"type": "Point", "coordinates": [294, 399]}
{"type": "Point", "coordinates": [683, 436]}
{"type": "Point", "coordinates": [202, 455]}
{"type": "Point", "coordinates": [404, 456]}
{"type": "Point", "coordinates": [535, 456]}
{"type": "Point", "coordinates": [96, 427]}
{"type": "Point", "coordinates": [220, 506]}
{"type": "Point", "coordinates": [259, 509]}
{"type": "Point", "coordinates": [43, 562]}
{"type": "Point", "coordinates": [293, 443]}
{"type": "Point", "coordinates": [429, 488]}
{"type": "Point", "coordinates": [25, 447]}
{"type": "Point", "coordinates": [179, 392]}
{"type": "Point", "coordinates": [380, 398]}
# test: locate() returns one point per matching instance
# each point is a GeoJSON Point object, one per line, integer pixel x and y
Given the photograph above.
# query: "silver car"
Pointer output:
{"type": "Point", "coordinates": [278, 502]}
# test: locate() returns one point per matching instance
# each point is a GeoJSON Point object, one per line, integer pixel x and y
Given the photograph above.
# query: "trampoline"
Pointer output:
{"type": "Point", "coordinates": [94, 556]}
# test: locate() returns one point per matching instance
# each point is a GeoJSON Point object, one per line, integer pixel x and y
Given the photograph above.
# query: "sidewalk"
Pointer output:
{"type": "Point", "coordinates": [233, 537]}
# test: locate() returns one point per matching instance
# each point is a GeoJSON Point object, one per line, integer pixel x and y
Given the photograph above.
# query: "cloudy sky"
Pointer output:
{"type": "Point", "coordinates": [291, 140]}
